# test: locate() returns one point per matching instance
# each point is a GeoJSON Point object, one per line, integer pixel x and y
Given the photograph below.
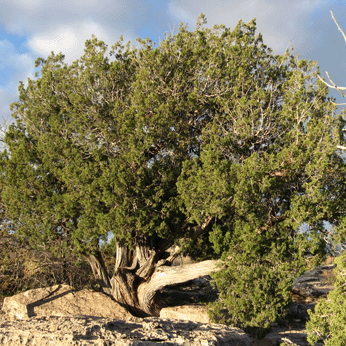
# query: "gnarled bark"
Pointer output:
{"type": "Point", "coordinates": [165, 276]}
{"type": "Point", "coordinates": [139, 273]}
{"type": "Point", "coordinates": [99, 270]}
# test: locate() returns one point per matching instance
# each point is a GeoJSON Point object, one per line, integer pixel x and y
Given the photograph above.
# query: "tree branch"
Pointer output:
{"type": "Point", "coordinates": [200, 229]}
{"type": "Point", "coordinates": [165, 276]}
{"type": "Point", "coordinates": [334, 86]}
{"type": "Point", "coordinates": [338, 26]}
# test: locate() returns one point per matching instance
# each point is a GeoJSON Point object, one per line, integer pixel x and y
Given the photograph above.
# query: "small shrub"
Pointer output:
{"type": "Point", "coordinates": [328, 321]}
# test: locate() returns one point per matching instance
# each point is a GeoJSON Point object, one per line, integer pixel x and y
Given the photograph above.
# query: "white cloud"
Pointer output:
{"type": "Point", "coordinates": [13, 68]}
{"type": "Point", "coordinates": [70, 40]}
{"type": "Point", "coordinates": [7, 49]}
{"type": "Point", "coordinates": [180, 13]}
{"type": "Point", "coordinates": [307, 5]}
{"type": "Point", "coordinates": [6, 98]}
{"type": "Point", "coordinates": [278, 21]}
{"type": "Point", "coordinates": [18, 66]}
{"type": "Point", "coordinates": [26, 4]}
{"type": "Point", "coordinates": [65, 25]}
{"type": "Point", "coordinates": [66, 39]}
{"type": "Point", "coordinates": [48, 17]}
{"type": "Point", "coordinates": [54, 42]}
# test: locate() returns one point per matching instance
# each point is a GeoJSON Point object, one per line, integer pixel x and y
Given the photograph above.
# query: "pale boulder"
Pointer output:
{"type": "Point", "coordinates": [62, 300]}
{"type": "Point", "coordinates": [193, 313]}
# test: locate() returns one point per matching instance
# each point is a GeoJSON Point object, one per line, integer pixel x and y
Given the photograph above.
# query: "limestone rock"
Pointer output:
{"type": "Point", "coordinates": [313, 283]}
{"type": "Point", "coordinates": [194, 313]}
{"type": "Point", "coordinates": [295, 335]}
{"type": "Point", "coordinates": [62, 300]}
{"type": "Point", "coordinates": [83, 331]}
{"type": "Point", "coordinates": [308, 288]}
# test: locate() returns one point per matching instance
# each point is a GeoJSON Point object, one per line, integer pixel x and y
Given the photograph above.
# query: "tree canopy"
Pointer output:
{"type": "Point", "coordinates": [206, 144]}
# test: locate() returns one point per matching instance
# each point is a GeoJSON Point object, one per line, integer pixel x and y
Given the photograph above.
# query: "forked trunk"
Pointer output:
{"type": "Point", "coordinates": [140, 273]}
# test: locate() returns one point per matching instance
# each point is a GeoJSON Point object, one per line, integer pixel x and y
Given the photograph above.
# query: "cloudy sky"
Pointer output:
{"type": "Point", "coordinates": [33, 28]}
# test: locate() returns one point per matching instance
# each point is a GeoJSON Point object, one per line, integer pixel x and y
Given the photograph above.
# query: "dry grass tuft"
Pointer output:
{"type": "Point", "coordinates": [23, 268]}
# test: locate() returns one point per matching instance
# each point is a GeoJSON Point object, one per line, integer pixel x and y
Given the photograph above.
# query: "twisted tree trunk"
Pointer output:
{"type": "Point", "coordinates": [140, 273]}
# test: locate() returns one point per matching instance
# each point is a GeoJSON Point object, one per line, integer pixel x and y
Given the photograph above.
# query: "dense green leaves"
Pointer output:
{"type": "Point", "coordinates": [269, 177]}
{"type": "Point", "coordinates": [327, 322]}
{"type": "Point", "coordinates": [206, 139]}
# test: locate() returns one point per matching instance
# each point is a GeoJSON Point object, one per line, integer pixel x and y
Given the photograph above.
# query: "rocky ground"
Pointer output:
{"type": "Point", "coordinates": [61, 316]}
{"type": "Point", "coordinates": [82, 331]}
{"type": "Point", "coordinates": [185, 324]}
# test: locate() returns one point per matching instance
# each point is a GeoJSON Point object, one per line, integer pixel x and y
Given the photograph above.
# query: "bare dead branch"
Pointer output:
{"type": "Point", "coordinates": [3, 129]}
{"type": "Point", "coordinates": [338, 104]}
{"type": "Point", "coordinates": [338, 26]}
{"type": "Point", "coordinates": [333, 85]}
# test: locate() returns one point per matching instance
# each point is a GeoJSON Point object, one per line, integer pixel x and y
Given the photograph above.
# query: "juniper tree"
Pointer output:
{"type": "Point", "coordinates": [206, 144]}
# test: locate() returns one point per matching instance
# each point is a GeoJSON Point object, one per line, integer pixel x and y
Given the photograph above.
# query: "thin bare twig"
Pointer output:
{"type": "Point", "coordinates": [334, 86]}
{"type": "Point", "coordinates": [338, 26]}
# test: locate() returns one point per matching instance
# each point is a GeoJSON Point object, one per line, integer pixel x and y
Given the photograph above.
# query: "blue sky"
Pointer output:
{"type": "Point", "coordinates": [33, 28]}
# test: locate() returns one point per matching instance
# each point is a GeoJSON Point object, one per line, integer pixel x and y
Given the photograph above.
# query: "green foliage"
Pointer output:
{"type": "Point", "coordinates": [206, 139]}
{"type": "Point", "coordinates": [328, 321]}
{"type": "Point", "coordinates": [269, 177]}
{"type": "Point", "coordinates": [255, 287]}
